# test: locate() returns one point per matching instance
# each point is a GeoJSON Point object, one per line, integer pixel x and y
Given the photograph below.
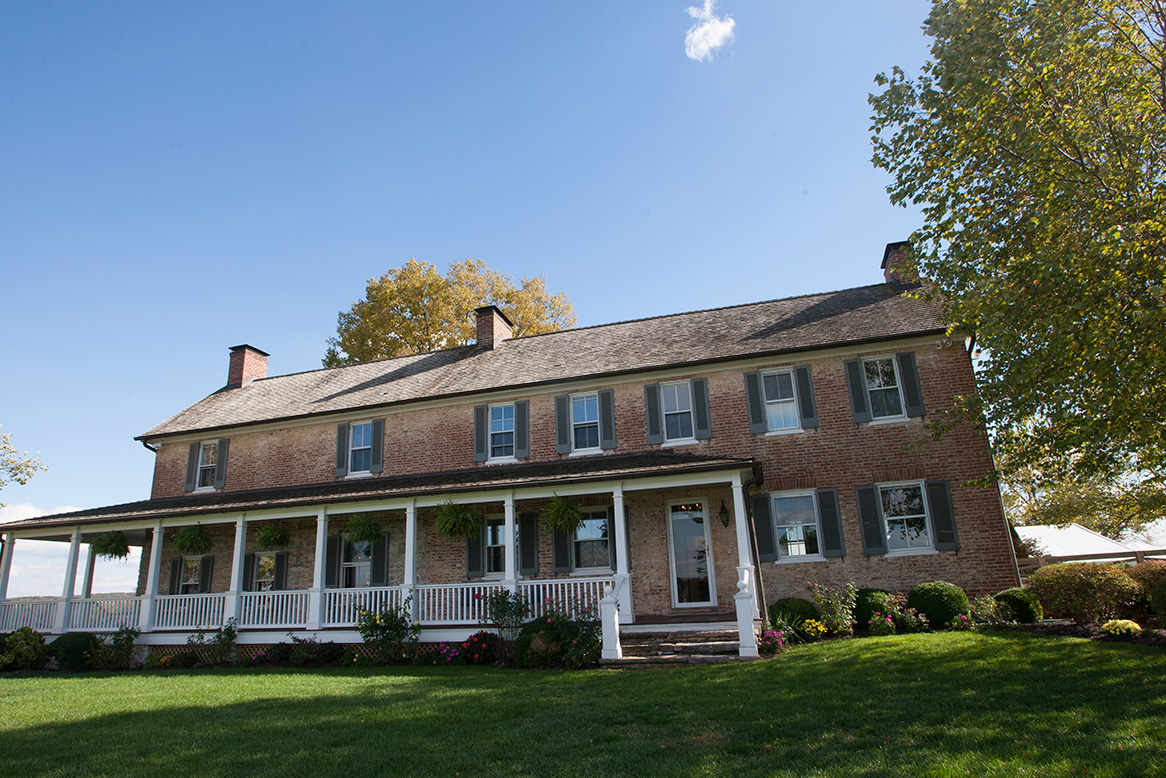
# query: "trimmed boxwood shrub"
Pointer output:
{"type": "Point", "coordinates": [867, 602]}
{"type": "Point", "coordinates": [1148, 575]}
{"type": "Point", "coordinates": [801, 610]}
{"type": "Point", "coordinates": [557, 641]}
{"type": "Point", "coordinates": [24, 649]}
{"type": "Point", "coordinates": [1083, 592]}
{"type": "Point", "coordinates": [939, 601]}
{"type": "Point", "coordinates": [1022, 604]}
{"type": "Point", "coordinates": [73, 650]}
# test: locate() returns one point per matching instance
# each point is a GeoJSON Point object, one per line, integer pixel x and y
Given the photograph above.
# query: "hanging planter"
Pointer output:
{"type": "Point", "coordinates": [272, 536]}
{"type": "Point", "coordinates": [193, 539]}
{"type": "Point", "coordinates": [458, 521]}
{"type": "Point", "coordinates": [363, 528]}
{"type": "Point", "coordinates": [111, 545]}
{"type": "Point", "coordinates": [562, 515]}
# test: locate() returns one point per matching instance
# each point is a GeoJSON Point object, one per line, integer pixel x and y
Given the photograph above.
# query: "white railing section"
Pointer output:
{"type": "Point", "coordinates": [462, 603]}
{"type": "Point", "coordinates": [104, 614]}
{"type": "Point", "coordinates": [273, 609]}
{"type": "Point", "coordinates": [189, 611]}
{"type": "Point", "coordinates": [341, 606]}
{"type": "Point", "coordinates": [40, 615]}
{"type": "Point", "coordinates": [577, 597]}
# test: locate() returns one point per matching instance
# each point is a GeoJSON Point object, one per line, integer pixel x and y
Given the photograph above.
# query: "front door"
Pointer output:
{"type": "Point", "coordinates": [690, 547]}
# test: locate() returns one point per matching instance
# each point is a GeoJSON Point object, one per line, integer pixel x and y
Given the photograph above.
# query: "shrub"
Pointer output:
{"type": "Point", "coordinates": [308, 652]}
{"type": "Point", "coordinates": [219, 649]}
{"type": "Point", "coordinates": [506, 612]}
{"type": "Point", "coordinates": [391, 633]}
{"type": "Point", "coordinates": [1149, 575]}
{"type": "Point", "coordinates": [881, 623]}
{"type": "Point", "coordinates": [1022, 604]}
{"type": "Point", "coordinates": [987, 610]}
{"type": "Point", "coordinates": [770, 642]}
{"type": "Point", "coordinates": [72, 650]}
{"type": "Point", "coordinates": [115, 651]}
{"type": "Point", "coordinates": [1083, 592]}
{"type": "Point", "coordinates": [795, 607]}
{"type": "Point", "coordinates": [24, 649]}
{"type": "Point", "coordinates": [483, 648]}
{"type": "Point", "coordinates": [558, 640]}
{"type": "Point", "coordinates": [962, 622]}
{"type": "Point", "coordinates": [1121, 628]}
{"type": "Point", "coordinates": [1157, 597]}
{"type": "Point", "coordinates": [836, 607]}
{"type": "Point", "coordinates": [868, 601]}
{"type": "Point", "coordinates": [939, 601]}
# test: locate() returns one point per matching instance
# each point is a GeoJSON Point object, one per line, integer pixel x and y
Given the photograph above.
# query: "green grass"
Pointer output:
{"type": "Point", "coordinates": [951, 704]}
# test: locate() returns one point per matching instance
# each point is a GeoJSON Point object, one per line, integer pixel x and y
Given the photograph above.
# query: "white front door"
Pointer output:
{"type": "Point", "coordinates": [691, 555]}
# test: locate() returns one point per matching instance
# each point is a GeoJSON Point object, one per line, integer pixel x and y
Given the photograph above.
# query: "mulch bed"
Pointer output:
{"type": "Point", "coordinates": [1149, 637]}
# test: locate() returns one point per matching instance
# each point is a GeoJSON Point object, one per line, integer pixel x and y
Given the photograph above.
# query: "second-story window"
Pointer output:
{"type": "Point", "coordinates": [360, 448]}
{"type": "Point", "coordinates": [208, 464]}
{"type": "Point", "coordinates": [677, 401]}
{"type": "Point", "coordinates": [882, 385]}
{"type": "Point", "coordinates": [781, 408]}
{"type": "Point", "coordinates": [501, 431]}
{"type": "Point", "coordinates": [585, 421]}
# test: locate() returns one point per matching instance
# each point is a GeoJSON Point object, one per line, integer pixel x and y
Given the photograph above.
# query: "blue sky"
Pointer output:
{"type": "Point", "coordinates": [178, 178]}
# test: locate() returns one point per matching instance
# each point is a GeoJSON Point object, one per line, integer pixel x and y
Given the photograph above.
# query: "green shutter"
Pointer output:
{"type": "Point", "coordinates": [763, 528]}
{"type": "Point", "coordinates": [341, 450]}
{"type": "Point", "coordinates": [176, 576]}
{"type": "Point", "coordinates": [831, 539]}
{"type": "Point", "coordinates": [521, 429]}
{"type": "Point", "coordinates": [607, 419]}
{"type": "Point", "coordinates": [561, 551]}
{"type": "Point", "coordinates": [563, 424]}
{"type": "Point", "coordinates": [481, 430]}
{"type": "Point", "coordinates": [280, 582]}
{"type": "Point", "coordinates": [652, 408]}
{"type": "Point", "coordinates": [248, 572]}
{"type": "Point", "coordinates": [807, 409]}
{"type": "Point", "coordinates": [221, 466]}
{"type": "Point", "coordinates": [191, 467]}
{"type": "Point", "coordinates": [378, 447]}
{"type": "Point", "coordinates": [912, 391]}
{"type": "Point", "coordinates": [874, 537]}
{"type": "Point", "coordinates": [379, 573]}
{"type": "Point", "coordinates": [701, 424]}
{"type": "Point", "coordinates": [206, 568]}
{"type": "Point", "coordinates": [332, 562]}
{"type": "Point", "coordinates": [528, 544]}
{"type": "Point", "coordinates": [856, 384]}
{"type": "Point", "coordinates": [758, 423]}
{"type": "Point", "coordinates": [476, 554]}
{"type": "Point", "coordinates": [942, 516]}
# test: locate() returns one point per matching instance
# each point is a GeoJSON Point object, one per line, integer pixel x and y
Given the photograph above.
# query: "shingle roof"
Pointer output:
{"type": "Point", "coordinates": [616, 466]}
{"type": "Point", "coordinates": [858, 315]}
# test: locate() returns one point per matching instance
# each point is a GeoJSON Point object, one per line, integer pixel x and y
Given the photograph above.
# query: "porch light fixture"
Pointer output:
{"type": "Point", "coordinates": [724, 515]}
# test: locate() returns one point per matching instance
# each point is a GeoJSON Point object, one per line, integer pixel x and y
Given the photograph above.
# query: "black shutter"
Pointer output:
{"type": "Point", "coordinates": [856, 384]}
{"type": "Point", "coordinates": [874, 537]}
{"type": "Point", "coordinates": [627, 534]}
{"type": "Point", "coordinates": [221, 466]}
{"type": "Point", "coordinates": [248, 572]}
{"type": "Point", "coordinates": [521, 429]}
{"type": "Point", "coordinates": [204, 574]}
{"type": "Point", "coordinates": [481, 428]}
{"type": "Point", "coordinates": [379, 574]}
{"type": "Point", "coordinates": [563, 424]}
{"type": "Point", "coordinates": [332, 562]}
{"type": "Point", "coordinates": [341, 450]}
{"type": "Point", "coordinates": [561, 551]}
{"type": "Point", "coordinates": [758, 422]}
{"type": "Point", "coordinates": [831, 540]}
{"type": "Point", "coordinates": [191, 467]}
{"type": "Point", "coordinates": [280, 582]}
{"type": "Point", "coordinates": [912, 391]}
{"type": "Point", "coordinates": [476, 553]}
{"type": "Point", "coordinates": [378, 447]}
{"type": "Point", "coordinates": [528, 544]}
{"type": "Point", "coordinates": [942, 516]}
{"type": "Point", "coordinates": [702, 427]}
{"type": "Point", "coordinates": [763, 528]}
{"type": "Point", "coordinates": [807, 410]}
{"type": "Point", "coordinates": [176, 576]}
{"type": "Point", "coordinates": [607, 420]}
{"type": "Point", "coordinates": [652, 407]}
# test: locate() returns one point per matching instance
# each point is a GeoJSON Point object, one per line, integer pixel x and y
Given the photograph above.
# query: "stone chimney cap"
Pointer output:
{"type": "Point", "coordinates": [245, 346]}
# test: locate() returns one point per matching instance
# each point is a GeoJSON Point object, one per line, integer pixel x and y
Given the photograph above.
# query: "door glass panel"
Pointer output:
{"type": "Point", "coordinates": [690, 559]}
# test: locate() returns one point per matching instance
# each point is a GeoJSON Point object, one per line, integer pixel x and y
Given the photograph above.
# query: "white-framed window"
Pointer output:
{"type": "Point", "coordinates": [781, 405]}
{"type": "Point", "coordinates": [495, 546]}
{"type": "Point", "coordinates": [501, 434]}
{"type": "Point", "coordinates": [905, 516]}
{"type": "Point", "coordinates": [797, 526]}
{"type": "Point", "coordinates": [360, 448]}
{"type": "Point", "coordinates": [208, 464]}
{"type": "Point", "coordinates": [191, 572]}
{"type": "Point", "coordinates": [585, 422]}
{"type": "Point", "coordinates": [355, 564]}
{"type": "Point", "coordinates": [264, 572]}
{"type": "Point", "coordinates": [883, 387]}
{"type": "Point", "coordinates": [591, 546]}
{"type": "Point", "coordinates": [676, 399]}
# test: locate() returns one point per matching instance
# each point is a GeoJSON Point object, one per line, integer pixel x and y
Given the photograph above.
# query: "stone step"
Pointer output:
{"type": "Point", "coordinates": [671, 660]}
{"type": "Point", "coordinates": [710, 647]}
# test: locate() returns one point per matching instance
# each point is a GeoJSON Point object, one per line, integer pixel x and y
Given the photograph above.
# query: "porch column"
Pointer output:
{"type": "Point", "coordinates": [62, 620]}
{"type": "Point", "coordinates": [745, 599]}
{"type": "Point", "coordinates": [410, 576]}
{"type": "Point", "coordinates": [319, 575]}
{"type": "Point", "coordinates": [6, 564]}
{"type": "Point", "coordinates": [233, 602]}
{"type": "Point", "coordinates": [510, 576]}
{"type": "Point", "coordinates": [619, 519]}
{"type": "Point", "coordinates": [87, 581]}
{"type": "Point", "coordinates": [150, 601]}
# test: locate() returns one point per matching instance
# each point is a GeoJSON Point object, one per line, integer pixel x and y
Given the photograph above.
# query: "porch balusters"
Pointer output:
{"type": "Point", "coordinates": [150, 603]}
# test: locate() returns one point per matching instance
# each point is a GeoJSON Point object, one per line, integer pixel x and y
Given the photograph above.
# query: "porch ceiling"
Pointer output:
{"type": "Point", "coordinates": [566, 471]}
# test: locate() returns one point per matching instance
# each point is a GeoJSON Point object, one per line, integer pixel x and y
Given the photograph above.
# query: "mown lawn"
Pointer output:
{"type": "Point", "coordinates": [1002, 704]}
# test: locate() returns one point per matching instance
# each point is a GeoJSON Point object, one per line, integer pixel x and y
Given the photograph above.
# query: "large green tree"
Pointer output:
{"type": "Point", "coordinates": [1034, 142]}
{"type": "Point", "coordinates": [414, 309]}
{"type": "Point", "coordinates": [15, 465]}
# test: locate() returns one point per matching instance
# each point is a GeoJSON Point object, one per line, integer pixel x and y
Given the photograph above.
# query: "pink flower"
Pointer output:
{"type": "Point", "coordinates": [547, 600]}
{"type": "Point", "coordinates": [548, 621]}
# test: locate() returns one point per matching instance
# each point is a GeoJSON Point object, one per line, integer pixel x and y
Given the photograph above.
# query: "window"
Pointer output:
{"type": "Point", "coordinates": [882, 385]}
{"type": "Point", "coordinates": [502, 431]}
{"type": "Point", "coordinates": [264, 572]}
{"type": "Point", "coordinates": [781, 407]}
{"type": "Point", "coordinates": [356, 564]}
{"type": "Point", "coordinates": [360, 448]}
{"type": "Point", "coordinates": [191, 571]}
{"type": "Point", "coordinates": [208, 464]}
{"type": "Point", "coordinates": [495, 546]}
{"type": "Point", "coordinates": [795, 519]}
{"type": "Point", "coordinates": [677, 402]}
{"type": "Point", "coordinates": [592, 539]}
{"type": "Point", "coordinates": [905, 514]}
{"type": "Point", "coordinates": [585, 422]}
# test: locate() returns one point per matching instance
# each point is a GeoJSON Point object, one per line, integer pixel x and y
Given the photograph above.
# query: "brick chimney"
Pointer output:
{"type": "Point", "coordinates": [493, 327]}
{"type": "Point", "coordinates": [897, 268]}
{"type": "Point", "coordinates": [247, 364]}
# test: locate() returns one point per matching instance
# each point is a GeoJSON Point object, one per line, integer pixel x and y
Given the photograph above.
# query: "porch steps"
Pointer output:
{"type": "Point", "coordinates": [645, 649]}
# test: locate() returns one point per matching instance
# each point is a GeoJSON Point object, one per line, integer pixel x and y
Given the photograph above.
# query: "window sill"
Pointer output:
{"type": "Point", "coordinates": [592, 571]}
{"type": "Point", "coordinates": [913, 552]}
{"type": "Point", "coordinates": [501, 461]}
{"type": "Point", "coordinates": [789, 431]}
{"type": "Point", "coordinates": [586, 452]}
{"type": "Point", "coordinates": [888, 420]}
{"type": "Point", "coordinates": [681, 442]}
{"type": "Point", "coordinates": [800, 560]}
{"type": "Point", "coordinates": [362, 474]}
{"type": "Point", "coordinates": [204, 490]}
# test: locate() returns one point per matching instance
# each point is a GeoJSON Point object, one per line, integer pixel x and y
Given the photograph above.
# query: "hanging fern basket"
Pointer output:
{"type": "Point", "coordinates": [363, 528]}
{"type": "Point", "coordinates": [272, 536]}
{"type": "Point", "coordinates": [111, 545]}
{"type": "Point", "coordinates": [562, 515]}
{"type": "Point", "coordinates": [192, 540]}
{"type": "Point", "coordinates": [458, 521]}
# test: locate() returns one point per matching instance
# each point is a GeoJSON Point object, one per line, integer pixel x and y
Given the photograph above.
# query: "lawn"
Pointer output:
{"type": "Point", "coordinates": [1003, 704]}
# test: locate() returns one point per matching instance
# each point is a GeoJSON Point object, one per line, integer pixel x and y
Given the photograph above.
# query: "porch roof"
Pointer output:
{"type": "Point", "coordinates": [573, 471]}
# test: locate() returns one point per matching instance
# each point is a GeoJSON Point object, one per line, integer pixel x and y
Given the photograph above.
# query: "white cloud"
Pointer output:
{"type": "Point", "coordinates": [708, 34]}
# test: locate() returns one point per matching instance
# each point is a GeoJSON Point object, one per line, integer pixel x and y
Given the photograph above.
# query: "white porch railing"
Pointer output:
{"type": "Point", "coordinates": [461, 603]}
{"type": "Point", "coordinates": [273, 609]}
{"type": "Point", "coordinates": [188, 611]}
{"type": "Point", "coordinates": [341, 606]}
{"type": "Point", "coordinates": [573, 596]}
{"type": "Point", "coordinates": [104, 614]}
{"type": "Point", "coordinates": [39, 615]}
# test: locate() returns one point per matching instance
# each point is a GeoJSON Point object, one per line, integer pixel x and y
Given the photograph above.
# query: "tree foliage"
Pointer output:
{"type": "Point", "coordinates": [16, 466]}
{"type": "Point", "coordinates": [414, 309]}
{"type": "Point", "coordinates": [1035, 144]}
